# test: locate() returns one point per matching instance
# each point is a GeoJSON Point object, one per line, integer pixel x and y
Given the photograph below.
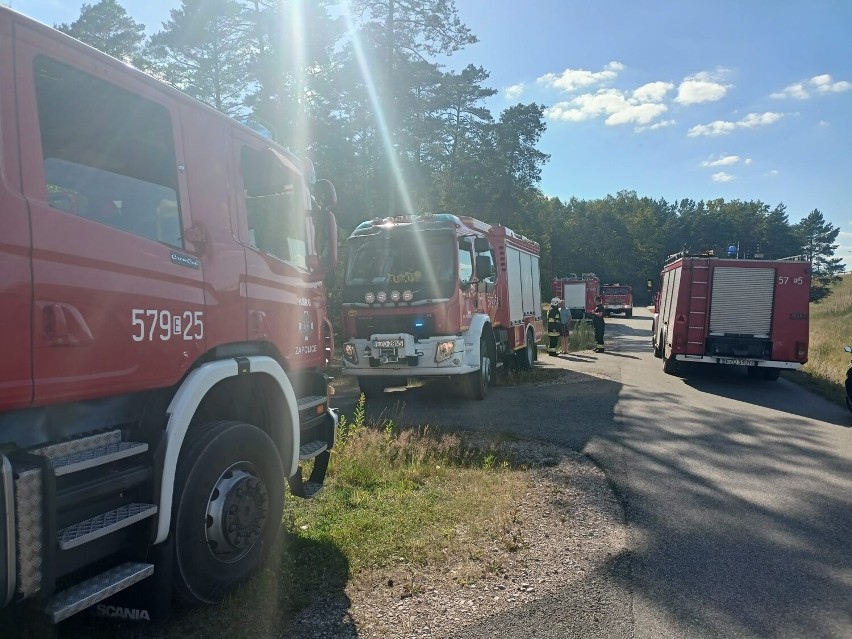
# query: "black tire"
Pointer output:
{"type": "Point", "coordinates": [629, 313]}
{"type": "Point", "coordinates": [526, 356]}
{"type": "Point", "coordinates": [658, 348]}
{"type": "Point", "coordinates": [771, 374]}
{"type": "Point", "coordinates": [669, 365]}
{"type": "Point", "coordinates": [477, 383]}
{"type": "Point", "coordinates": [372, 386]}
{"type": "Point", "coordinates": [754, 372]}
{"type": "Point", "coordinates": [229, 496]}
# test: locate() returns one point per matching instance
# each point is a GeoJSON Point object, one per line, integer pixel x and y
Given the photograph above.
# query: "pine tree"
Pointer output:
{"type": "Point", "coordinates": [817, 237]}
{"type": "Point", "coordinates": [204, 51]}
{"type": "Point", "coordinates": [107, 27]}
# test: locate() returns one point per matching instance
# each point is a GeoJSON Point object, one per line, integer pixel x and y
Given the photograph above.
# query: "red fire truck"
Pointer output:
{"type": "Point", "coordinates": [579, 292]}
{"type": "Point", "coordinates": [165, 334]}
{"type": "Point", "coordinates": [437, 295]}
{"type": "Point", "coordinates": [751, 313]}
{"type": "Point", "coordinates": [617, 298]}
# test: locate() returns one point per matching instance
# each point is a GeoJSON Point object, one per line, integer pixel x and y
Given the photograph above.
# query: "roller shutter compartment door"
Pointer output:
{"type": "Point", "coordinates": [742, 300]}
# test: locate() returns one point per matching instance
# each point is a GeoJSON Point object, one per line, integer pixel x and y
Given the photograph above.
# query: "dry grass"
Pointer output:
{"type": "Point", "coordinates": [830, 330]}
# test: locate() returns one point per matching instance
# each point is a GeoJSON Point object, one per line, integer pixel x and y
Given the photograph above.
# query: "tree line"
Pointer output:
{"type": "Point", "coordinates": [366, 93]}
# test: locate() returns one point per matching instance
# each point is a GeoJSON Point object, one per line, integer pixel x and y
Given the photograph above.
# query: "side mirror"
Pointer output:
{"type": "Point", "coordinates": [484, 267]}
{"type": "Point", "coordinates": [325, 194]}
{"type": "Point", "coordinates": [325, 243]}
{"type": "Point", "coordinates": [481, 245]}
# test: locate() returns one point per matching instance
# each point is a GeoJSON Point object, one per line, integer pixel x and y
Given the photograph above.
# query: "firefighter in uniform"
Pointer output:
{"type": "Point", "coordinates": [554, 326]}
{"type": "Point", "coordinates": [598, 324]}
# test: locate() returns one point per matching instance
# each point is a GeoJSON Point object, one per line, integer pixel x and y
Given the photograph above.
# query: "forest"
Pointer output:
{"type": "Point", "coordinates": [367, 92]}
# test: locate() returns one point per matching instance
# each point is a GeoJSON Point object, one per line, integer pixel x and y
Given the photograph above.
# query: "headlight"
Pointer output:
{"type": "Point", "coordinates": [445, 351]}
{"type": "Point", "coordinates": [350, 353]}
{"type": "Point", "coordinates": [407, 296]}
{"type": "Point", "coordinates": [381, 297]}
{"type": "Point", "coordinates": [369, 298]}
{"type": "Point", "coordinates": [395, 296]}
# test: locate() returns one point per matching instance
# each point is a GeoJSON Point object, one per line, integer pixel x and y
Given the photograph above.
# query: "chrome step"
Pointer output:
{"type": "Point", "coordinates": [312, 449]}
{"type": "Point", "coordinates": [66, 448]}
{"type": "Point", "coordinates": [104, 524]}
{"type": "Point", "coordinates": [89, 592]}
{"type": "Point", "coordinates": [97, 457]}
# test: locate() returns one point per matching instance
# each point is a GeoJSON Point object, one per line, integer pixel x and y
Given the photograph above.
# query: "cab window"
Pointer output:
{"type": "Point", "coordinates": [275, 206]}
{"type": "Point", "coordinates": [108, 153]}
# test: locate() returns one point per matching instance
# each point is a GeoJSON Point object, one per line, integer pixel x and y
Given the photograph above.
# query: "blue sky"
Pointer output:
{"type": "Point", "coordinates": [700, 99]}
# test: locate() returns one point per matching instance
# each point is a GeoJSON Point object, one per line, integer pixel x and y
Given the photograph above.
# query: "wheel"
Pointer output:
{"type": "Point", "coordinates": [669, 365]}
{"type": "Point", "coordinates": [526, 356]}
{"type": "Point", "coordinates": [229, 496]}
{"type": "Point", "coordinates": [629, 313]}
{"type": "Point", "coordinates": [477, 382]}
{"type": "Point", "coordinates": [658, 348]}
{"type": "Point", "coordinates": [771, 374]}
{"type": "Point", "coordinates": [372, 386]}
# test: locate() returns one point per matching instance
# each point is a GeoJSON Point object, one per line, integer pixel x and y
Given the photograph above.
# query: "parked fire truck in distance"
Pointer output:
{"type": "Point", "coordinates": [165, 335]}
{"type": "Point", "coordinates": [617, 298]}
{"type": "Point", "coordinates": [579, 293]}
{"type": "Point", "coordinates": [438, 296]}
{"type": "Point", "coordinates": [752, 313]}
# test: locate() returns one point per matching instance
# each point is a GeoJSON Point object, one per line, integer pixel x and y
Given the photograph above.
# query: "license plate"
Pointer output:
{"type": "Point", "coordinates": [388, 343]}
{"type": "Point", "coordinates": [741, 362]}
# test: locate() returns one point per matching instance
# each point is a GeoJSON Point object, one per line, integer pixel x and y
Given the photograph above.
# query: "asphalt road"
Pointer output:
{"type": "Point", "coordinates": [737, 494]}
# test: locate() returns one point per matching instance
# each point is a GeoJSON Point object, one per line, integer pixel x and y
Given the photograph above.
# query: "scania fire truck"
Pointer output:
{"type": "Point", "coordinates": [743, 312]}
{"type": "Point", "coordinates": [164, 339]}
{"type": "Point", "coordinates": [436, 295]}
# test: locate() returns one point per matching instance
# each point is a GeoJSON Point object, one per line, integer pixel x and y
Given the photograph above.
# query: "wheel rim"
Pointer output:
{"type": "Point", "coordinates": [236, 513]}
{"type": "Point", "coordinates": [530, 351]}
{"type": "Point", "coordinates": [484, 370]}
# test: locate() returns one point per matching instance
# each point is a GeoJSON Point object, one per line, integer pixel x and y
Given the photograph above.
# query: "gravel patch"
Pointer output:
{"type": "Point", "coordinates": [569, 526]}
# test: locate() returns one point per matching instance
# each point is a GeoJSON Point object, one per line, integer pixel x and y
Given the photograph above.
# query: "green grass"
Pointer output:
{"type": "Point", "coordinates": [830, 330]}
{"type": "Point", "coordinates": [396, 501]}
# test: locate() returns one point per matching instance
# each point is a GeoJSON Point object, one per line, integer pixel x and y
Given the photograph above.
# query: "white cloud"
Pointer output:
{"type": "Point", "coordinates": [771, 173]}
{"type": "Point", "coordinates": [657, 125]}
{"type": "Point", "coordinates": [652, 92]}
{"type": "Point", "coordinates": [724, 160]}
{"type": "Point", "coordinates": [513, 92]}
{"type": "Point", "coordinates": [723, 127]}
{"type": "Point", "coordinates": [572, 79]}
{"type": "Point", "coordinates": [617, 107]}
{"type": "Point", "coordinates": [705, 86]}
{"type": "Point", "coordinates": [817, 85]}
{"type": "Point", "coordinates": [721, 176]}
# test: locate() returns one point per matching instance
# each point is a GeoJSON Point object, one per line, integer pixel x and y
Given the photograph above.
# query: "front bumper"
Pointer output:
{"type": "Point", "coordinates": [401, 354]}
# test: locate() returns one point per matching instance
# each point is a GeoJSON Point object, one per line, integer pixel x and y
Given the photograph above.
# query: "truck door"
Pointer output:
{"type": "Point", "coordinates": [15, 280]}
{"type": "Point", "coordinates": [284, 310]}
{"type": "Point", "coordinates": [118, 299]}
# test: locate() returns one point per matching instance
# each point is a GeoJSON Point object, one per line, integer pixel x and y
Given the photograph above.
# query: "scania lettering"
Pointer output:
{"type": "Point", "coordinates": [438, 296]}
{"type": "Point", "coordinates": [165, 335]}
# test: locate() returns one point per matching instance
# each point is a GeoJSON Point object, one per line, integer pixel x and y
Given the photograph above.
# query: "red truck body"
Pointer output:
{"type": "Point", "coordinates": [617, 298]}
{"type": "Point", "coordinates": [734, 312]}
{"type": "Point", "coordinates": [165, 333]}
{"type": "Point", "coordinates": [579, 293]}
{"type": "Point", "coordinates": [436, 296]}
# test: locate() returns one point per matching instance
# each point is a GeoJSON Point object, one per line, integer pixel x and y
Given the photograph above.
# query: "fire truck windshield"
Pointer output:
{"type": "Point", "coordinates": [417, 261]}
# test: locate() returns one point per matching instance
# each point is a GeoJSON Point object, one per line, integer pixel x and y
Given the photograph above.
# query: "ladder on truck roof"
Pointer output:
{"type": "Point", "coordinates": [699, 303]}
